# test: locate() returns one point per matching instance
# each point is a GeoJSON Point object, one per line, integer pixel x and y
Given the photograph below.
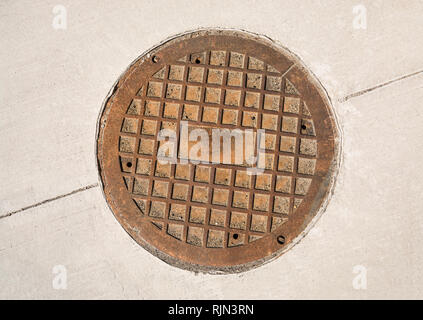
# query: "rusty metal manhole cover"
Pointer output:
{"type": "Point", "coordinates": [216, 150]}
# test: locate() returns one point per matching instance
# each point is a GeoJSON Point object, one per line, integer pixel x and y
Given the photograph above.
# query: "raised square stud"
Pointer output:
{"type": "Point", "coordinates": [291, 105]}
{"type": "Point", "coordinates": [264, 181]}
{"type": "Point", "coordinates": [162, 170]}
{"type": "Point", "coordinates": [222, 176]}
{"type": "Point", "coordinates": [176, 72]}
{"type": "Point", "coordinates": [175, 230]}
{"type": "Point", "coordinates": [242, 179]}
{"type": "Point", "coordinates": [308, 147]}
{"type": "Point", "coordinates": [215, 76]}
{"type": "Point", "coordinates": [249, 119]}
{"type": "Point", "coordinates": [268, 141]}
{"type": "Point", "coordinates": [141, 186]}
{"type": "Point", "coordinates": [286, 163]}
{"type": "Point", "coordinates": [149, 127]}
{"type": "Point", "coordinates": [307, 127]}
{"type": "Point", "coordinates": [287, 144]}
{"type": "Point", "coordinates": [235, 239]}
{"type": "Point", "coordinates": [130, 125]}
{"type": "Point", "coordinates": [240, 199]}
{"type": "Point", "coordinates": [193, 93]}
{"type": "Point", "coordinates": [236, 60]}
{"type": "Point", "coordinates": [198, 58]}
{"type": "Point", "coordinates": [234, 78]}
{"type": "Point", "coordinates": [273, 83]}
{"type": "Point", "coordinates": [261, 202]}
{"type": "Point", "coordinates": [217, 217]}
{"type": "Point", "coordinates": [171, 110]}
{"type": "Point", "coordinates": [157, 209]}
{"type": "Point", "coordinates": [160, 189]}
{"type": "Point", "coordinates": [232, 97]}
{"type": "Point", "coordinates": [210, 114]}
{"type": "Point", "coordinates": [152, 108]}
{"type": "Point", "coordinates": [190, 112]}
{"type": "Point", "coordinates": [165, 149]}
{"type": "Point", "coordinates": [154, 89]}
{"type": "Point", "coordinates": [220, 197]}
{"type": "Point", "coordinates": [281, 205]}
{"type": "Point", "coordinates": [197, 215]}
{"type": "Point", "coordinates": [127, 144]}
{"type": "Point", "coordinates": [254, 80]}
{"type": "Point", "coordinates": [142, 205]}
{"type": "Point", "coordinates": [289, 124]}
{"type": "Point", "coordinates": [271, 102]}
{"type": "Point", "coordinates": [277, 222]}
{"type": "Point", "coordinates": [297, 203]}
{"type": "Point", "coordinates": [230, 117]}
{"type": "Point", "coordinates": [269, 121]}
{"type": "Point", "coordinates": [302, 185]}
{"type": "Point", "coordinates": [135, 107]}
{"type": "Point", "coordinates": [195, 236]}
{"type": "Point", "coordinates": [306, 166]}
{"type": "Point", "coordinates": [200, 194]}
{"type": "Point", "coordinates": [202, 174]}
{"type": "Point", "coordinates": [177, 212]}
{"type": "Point", "coordinates": [143, 166]}
{"type": "Point", "coordinates": [255, 64]}
{"type": "Point", "coordinates": [195, 74]}
{"type": "Point", "coordinates": [212, 95]}
{"type": "Point", "coordinates": [252, 99]}
{"type": "Point", "coordinates": [259, 223]}
{"type": "Point", "coordinates": [174, 91]}
{"type": "Point", "coordinates": [160, 74]}
{"type": "Point", "coordinates": [180, 191]}
{"type": "Point", "coordinates": [126, 165]}
{"type": "Point", "coordinates": [283, 184]}
{"type": "Point", "coordinates": [215, 239]}
{"type": "Point", "coordinates": [238, 220]}
{"type": "Point", "coordinates": [217, 58]}
{"type": "Point", "coordinates": [182, 171]}
{"type": "Point", "coordinates": [168, 125]}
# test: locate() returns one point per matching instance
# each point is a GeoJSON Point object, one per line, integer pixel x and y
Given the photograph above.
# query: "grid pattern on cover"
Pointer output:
{"type": "Point", "coordinates": [218, 205]}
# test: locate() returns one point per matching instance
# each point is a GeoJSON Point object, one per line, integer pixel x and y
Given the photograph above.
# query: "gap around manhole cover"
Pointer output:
{"type": "Point", "coordinates": [195, 205]}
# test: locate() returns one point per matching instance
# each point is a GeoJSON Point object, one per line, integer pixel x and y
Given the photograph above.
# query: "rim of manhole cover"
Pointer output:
{"type": "Point", "coordinates": [214, 203]}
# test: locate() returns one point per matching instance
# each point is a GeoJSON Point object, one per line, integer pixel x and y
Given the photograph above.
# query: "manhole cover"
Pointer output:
{"type": "Point", "coordinates": [216, 150]}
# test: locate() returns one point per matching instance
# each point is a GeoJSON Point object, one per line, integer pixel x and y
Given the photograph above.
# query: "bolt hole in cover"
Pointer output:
{"type": "Point", "coordinates": [217, 150]}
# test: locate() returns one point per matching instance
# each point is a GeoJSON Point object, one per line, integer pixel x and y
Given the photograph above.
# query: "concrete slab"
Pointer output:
{"type": "Point", "coordinates": [54, 81]}
{"type": "Point", "coordinates": [372, 221]}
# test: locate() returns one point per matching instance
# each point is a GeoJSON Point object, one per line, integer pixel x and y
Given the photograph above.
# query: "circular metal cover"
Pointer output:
{"type": "Point", "coordinates": [217, 216]}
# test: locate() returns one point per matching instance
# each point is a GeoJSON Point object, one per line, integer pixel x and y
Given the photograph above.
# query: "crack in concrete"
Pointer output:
{"type": "Point", "coordinates": [359, 93]}
{"type": "Point", "coordinates": [49, 200]}
{"type": "Point", "coordinates": [344, 99]}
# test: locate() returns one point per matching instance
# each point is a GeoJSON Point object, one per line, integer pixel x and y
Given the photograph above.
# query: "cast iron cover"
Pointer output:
{"type": "Point", "coordinates": [217, 216]}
